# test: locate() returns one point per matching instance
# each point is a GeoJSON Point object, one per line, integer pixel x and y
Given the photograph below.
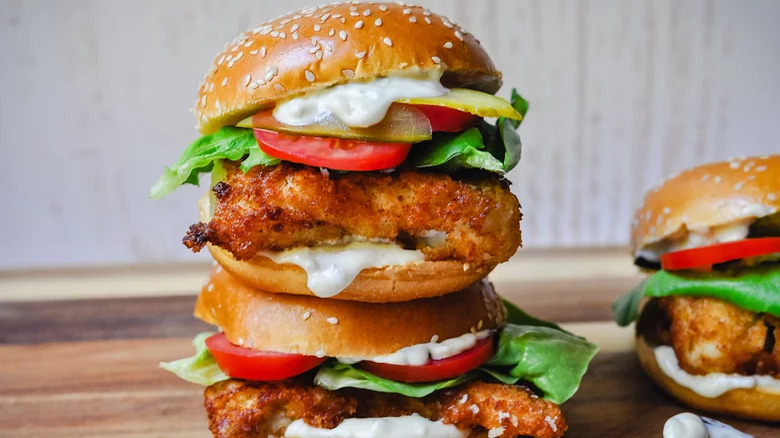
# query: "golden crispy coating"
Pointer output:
{"type": "Point", "coordinates": [285, 206]}
{"type": "Point", "coordinates": [710, 335]}
{"type": "Point", "coordinates": [239, 409]}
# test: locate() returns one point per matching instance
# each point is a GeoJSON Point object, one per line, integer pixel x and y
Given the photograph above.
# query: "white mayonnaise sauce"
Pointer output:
{"type": "Point", "coordinates": [714, 384]}
{"type": "Point", "coordinates": [408, 426]}
{"type": "Point", "coordinates": [687, 425]}
{"type": "Point", "coordinates": [695, 238]}
{"type": "Point", "coordinates": [330, 269]}
{"type": "Point", "coordinates": [358, 104]}
{"type": "Point", "coordinates": [419, 354]}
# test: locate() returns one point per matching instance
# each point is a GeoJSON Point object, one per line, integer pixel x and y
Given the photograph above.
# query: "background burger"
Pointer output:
{"type": "Point", "coordinates": [357, 202]}
{"type": "Point", "coordinates": [709, 335]}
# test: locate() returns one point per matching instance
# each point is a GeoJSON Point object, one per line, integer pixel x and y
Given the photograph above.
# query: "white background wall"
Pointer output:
{"type": "Point", "coordinates": [94, 99]}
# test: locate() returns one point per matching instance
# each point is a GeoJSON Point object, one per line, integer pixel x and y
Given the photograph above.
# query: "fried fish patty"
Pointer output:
{"type": "Point", "coordinates": [710, 335]}
{"type": "Point", "coordinates": [241, 409]}
{"type": "Point", "coordinates": [287, 206]}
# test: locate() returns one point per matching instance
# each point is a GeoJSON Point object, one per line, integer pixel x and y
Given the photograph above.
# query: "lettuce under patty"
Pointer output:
{"type": "Point", "coordinates": [494, 148]}
{"type": "Point", "coordinates": [529, 349]}
{"type": "Point", "coordinates": [753, 288]}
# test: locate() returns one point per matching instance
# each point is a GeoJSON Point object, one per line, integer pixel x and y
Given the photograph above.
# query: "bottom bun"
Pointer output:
{"type": "Point", "coordinates": [314, 326]}
{"type": "Point", "coordinates": [743, 403]}
{"type": "Point", "coordinates": [374, 285]}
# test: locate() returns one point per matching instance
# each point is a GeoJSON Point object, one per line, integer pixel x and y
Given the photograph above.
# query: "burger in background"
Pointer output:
{"type": "Point", "coordinates": [710, 333]}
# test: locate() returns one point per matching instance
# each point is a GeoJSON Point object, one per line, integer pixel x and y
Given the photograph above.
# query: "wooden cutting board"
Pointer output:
{"type": "Point", "coordinates": [88, 367]}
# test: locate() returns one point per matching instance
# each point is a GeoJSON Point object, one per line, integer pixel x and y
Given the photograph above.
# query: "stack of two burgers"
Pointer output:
{"type": "Point", "coordinates": [357, 203]}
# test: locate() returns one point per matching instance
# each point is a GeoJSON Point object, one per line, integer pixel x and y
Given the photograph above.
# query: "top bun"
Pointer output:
{"type": "Point", "coordinates": [708, 196]}
{"type": "Point", "coordinates": [322, 46]}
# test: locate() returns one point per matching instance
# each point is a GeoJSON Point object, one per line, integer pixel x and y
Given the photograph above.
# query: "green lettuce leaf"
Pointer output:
{"type": "Point", "coordinates": [553, 360]}
{"type": "Point", "coordinates": [200, 368]}
{"type": "Point", "coordinates": [495, 148]}
{"type": "Point", "coordinates": [228, 143]}
{"type": "Point", "coordinates": [335, 375]}
{"type": "Point", "coordinates": [755, 288]}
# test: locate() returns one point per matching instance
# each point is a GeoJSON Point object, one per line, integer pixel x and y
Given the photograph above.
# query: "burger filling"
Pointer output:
{"type": "Point", "coordinates": [481, 381]}
{"type": "Point", "coordinates": [714, 313]}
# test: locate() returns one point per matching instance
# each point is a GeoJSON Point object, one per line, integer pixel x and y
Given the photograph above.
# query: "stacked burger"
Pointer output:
{"type": "Point", "coordinates": [710, 332]}
{"type": "Point", "coordinates": [356, 204]}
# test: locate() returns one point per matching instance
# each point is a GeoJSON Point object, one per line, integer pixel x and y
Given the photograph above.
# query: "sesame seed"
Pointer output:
{"type": "Point", "coordinates": [343, 20]}
{"type": "Point", "coordinates": [354, 14]}
{"type": "Point", "coordinates": [667, 210]}
{"type": "Point", "coordinates": [479, 325]}
{"type": "Point", "coordinates": [320, 354]}
{"type": "Point", "coordinates": [474, 409]}
{"type": "Point", "coordinates": [388, 41]}
{"type": "Point", "coordinates": [295, 36]}
{"type": "Point", "coordinates": [224, 82]}
{"type": "Point", "coordinates": [359, 24]}
{"type": "Point", "coordinates": [436, 59]}
{"type": "Point", "coordinates": [279, 87]}
{"type": "Point", "coordinates": [306, 315]}
{"type": "Point", "coordinates": [325, 17]}
{"type": "Point", "coordinates": [309, 76]}
{"type": "Point", "coordinates": [734, 164]}
{"type": "Point", "coordinates": [218, 105]}
{"type": "Point", "coordinates": [760, 168]}
{"type": "Point", "coordinates": [203, 101]}
{"type": "Point", "coordinates": [447, 23]}
{"type": "Point", "coordinates": [247, 80]}
{"type": "Point", "coordinates": [435, 338]}
{"type": "Point", "coordinates": [211, 87]}
{"type": "Point", "coordinates": [752, 178]}
{"type": "Point", "coordinates": [407, 11]}
{"type": "Point", "coordinates": [229, 58]}
{"type": "Point", "coordinates": [448, 45]}
{"type": "Point", "coordinates": [343, 35]}
{"type": "Point", "coordinates": [771, 197]}
{"type": "Point", "coordinates": [332, 320]}
{"type": "Point", "coordinates": [738, 186]}
{"type": "Point", "coordinates": [332, 32]}
{"type": "Point", "coordinates": [210, 287]}
{"type": "Point", "coordinates": [383, 8]}
{"type": "Point", "coordinates": [285, 21]}
{"type": "Point", "coordinates": [427, 20]}
{"type": "Point", "coordinates": [458, 35]}
{"type": "Point", "coordinates": [262, 52]}
{"type": "Point", "coordinates": [427, 13]}
{"type": "Point", "coordinates": [240, 341]}
{"type": "Point", "coordinates": [348, 73]}
{"type": "Point", "coordinates": [317, 27]}
{"type": "Point", "coordinates": [275, 34]}
{"type": "Point", "coordinates": [413, 19]}
{"type": "Point", "coordinates": [296, 17]}
{"type": "Point", "coordinates": [318, 54]}
{"type": "Point", "coordinates": [353, 8]}
{"type": "Point", "coordinates": [336, 15]}
{"type": "Point", "coordinates": [705, 177]}
{"type": "Point", "coordinates": [254, 85]}
{"type": "Point", "coordinates": [717, 179]}
{"type": "Point", "coordinates": [378, 22]}
{"type": "Point", "coordinates": [367, 12]}
{"type": "Point", "coordinates": [294, 27]}
{"type": "Point", "coordinates": [254, 52]}
{"type": "Point", "coordinates": [466, 267]}
{"type": "Point", "coordinates": [360, 55]}
{"type": "Point", "coordinates": [496, 432]}
{"type": "Point", "coordinates": [282, 35]}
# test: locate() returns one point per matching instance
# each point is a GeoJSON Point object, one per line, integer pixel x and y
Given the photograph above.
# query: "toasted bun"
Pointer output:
{"type": "Point", "coordinates": [708, 196]}
{"type": "Point", "coordinates": [298, 324]}
{"type": "Point", "coordinates": [374, 285]}
{"type": "Point", "coordinates": [318, 47]}
{"type": "Point", "coordinates": [743, 403]}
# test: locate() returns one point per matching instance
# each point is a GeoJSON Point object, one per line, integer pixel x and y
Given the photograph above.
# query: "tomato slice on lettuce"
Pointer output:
{"type": "Point", "coordinates": [445, 119]}
{"type": "Point", "coordinates": [332, 153]}
{"type": "Point", "coordinates": [706, 256]}
{"type": "Point", "coordinates": [245, 363]}
{"type": "Point", "coordinates": [434, 369]}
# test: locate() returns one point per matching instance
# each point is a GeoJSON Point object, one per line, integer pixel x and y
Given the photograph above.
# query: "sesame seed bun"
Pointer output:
{"type": "Point", "coordinates": [331, 44]}
{"type": "Point", "coordinates": [708, 196]}
{"type": "Point", "coordinates": [743, 403]}
{"type": "Point", "coordinates": [374, 285]}
{"type": "Point", "coordinates": [315, 326]}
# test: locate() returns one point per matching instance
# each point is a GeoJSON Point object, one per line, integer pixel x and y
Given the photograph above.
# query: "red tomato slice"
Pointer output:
{"type": "Point", "coordinates": [706, 256]}
{"type": "Point", "coordinates": [332, 153]}
{"type": "Point", "coordinates": [245, 363]}
{"type": "Point", "coordinates": [445, 119]}
{"type": "Point", "coordinates": [434, 369]}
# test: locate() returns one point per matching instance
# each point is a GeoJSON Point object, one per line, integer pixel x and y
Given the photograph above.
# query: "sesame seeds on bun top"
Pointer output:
{"type": "Point", "coordinates": [335, 43]}
{"type": "Point", "coordinates": [708, 196]}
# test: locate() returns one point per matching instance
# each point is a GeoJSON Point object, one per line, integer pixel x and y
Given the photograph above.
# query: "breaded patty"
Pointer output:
{"type": "Point", "coordinates": [240, 409]}
{"type": "Point", "coordinates": [287, 206]}
{"type": "Point", "coordinates": [710, 335]}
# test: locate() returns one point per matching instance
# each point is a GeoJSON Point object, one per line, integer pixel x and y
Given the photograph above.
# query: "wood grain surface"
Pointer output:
{"type": "Point", "coordinates": [87, 367]}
